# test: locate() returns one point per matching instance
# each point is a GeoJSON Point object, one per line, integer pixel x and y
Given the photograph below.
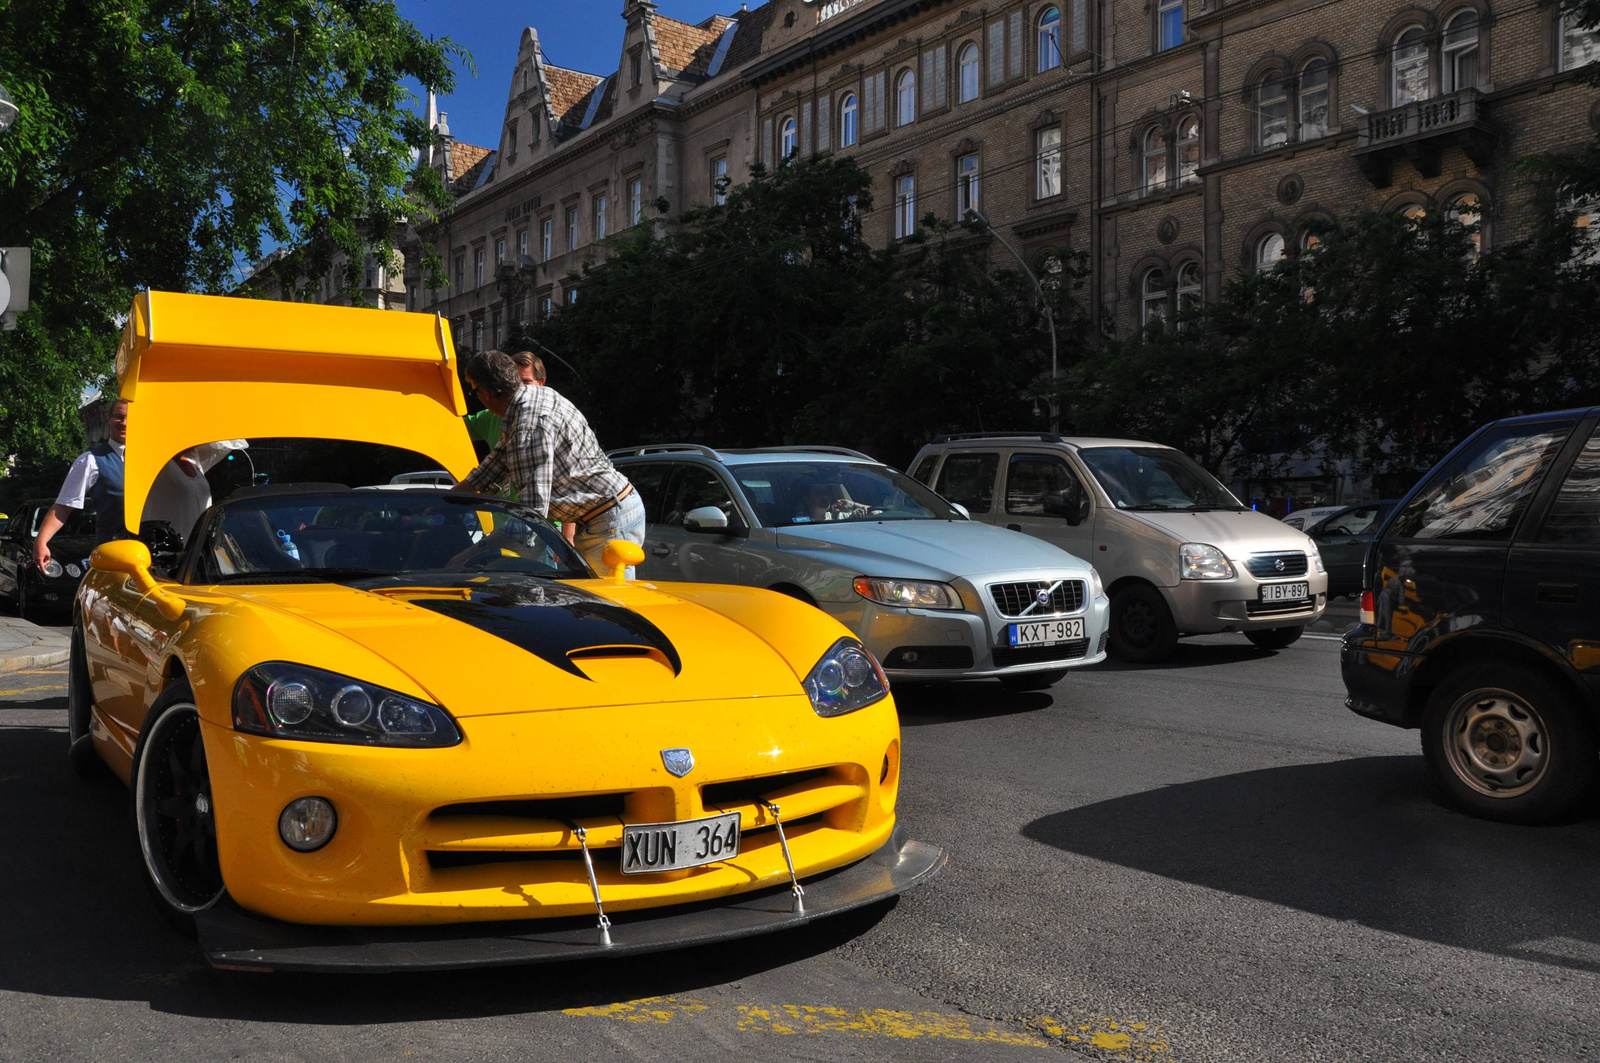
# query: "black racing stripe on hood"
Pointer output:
{"type": "Point", "coordinates": [548, 619]}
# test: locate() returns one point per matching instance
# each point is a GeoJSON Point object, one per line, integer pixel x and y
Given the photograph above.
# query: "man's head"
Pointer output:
{"type": "Point", "coordinates": [117, 421]}
{"type": "Point", "coordinates": [530, 366]}
{"type": "Point", "coordinates": [493, 376]}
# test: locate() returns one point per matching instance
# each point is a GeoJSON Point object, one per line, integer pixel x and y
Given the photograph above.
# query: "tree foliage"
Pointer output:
{"type": "Point", "coordinates": [161, 142]}
{"type": "Point", "coordinates": [769, 319]}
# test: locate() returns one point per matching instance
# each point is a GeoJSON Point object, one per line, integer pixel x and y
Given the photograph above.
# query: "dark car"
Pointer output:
{"type": "Point", "coordinates": [36, 592]}
{"type": "Point", "coordinates": [1480, 620]}
{"type": "Point", "coordinates": [1342, 539]}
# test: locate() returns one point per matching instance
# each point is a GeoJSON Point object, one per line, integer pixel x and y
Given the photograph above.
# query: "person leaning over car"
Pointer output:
{"type": "Point", "coordinates": [550, 454]}
{"type": "Point", "coordinates": [486, 425]}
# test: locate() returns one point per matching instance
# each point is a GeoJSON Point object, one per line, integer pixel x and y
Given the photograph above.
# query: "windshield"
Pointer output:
{"type": "Point", "coordinates": [360, 535]}
{"type": "Point", "coordinates": [1155, 478]}
{"type": "Point", "coordinates": [786, 493]}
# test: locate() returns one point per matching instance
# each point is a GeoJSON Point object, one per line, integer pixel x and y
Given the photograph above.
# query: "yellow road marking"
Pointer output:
{"type": "Point", "coordinates": [46, 671]}
{"type": "Point", "coordinates": [1129, 1040]}
{"type": "Point", "coordinates": [29, 690]}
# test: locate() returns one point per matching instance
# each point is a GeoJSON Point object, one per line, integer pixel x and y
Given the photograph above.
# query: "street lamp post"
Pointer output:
{"type": "Point", "coordinates": [975, 218]}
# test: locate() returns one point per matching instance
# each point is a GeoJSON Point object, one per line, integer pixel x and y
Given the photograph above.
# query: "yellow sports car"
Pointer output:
{"type": "Point", "coordinates": [374, 729]}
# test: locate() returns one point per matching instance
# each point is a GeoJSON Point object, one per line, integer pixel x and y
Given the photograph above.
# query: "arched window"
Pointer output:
{"type": "Point", "coordinates": [1272, 113]}
{"type": "Point", "coordinates": [1464, 210]}
{"type": "Point", "coordinates": [906, 98]}
{"type": "Point", "coordinates": [1189, 288]}
{"type": "Point", "coordinates": [967, 60]}
{"type": "Point", "coordinates": [1155, 161]}
{"type": "Point", "coordinates": [788, 139]}
{"type": "Point", "coordinates": [1049, 39]}
{"type": "Point", "coordinates": [847, 121]}
{"type": "Point", "coordinates": [1409, 67]}
{"type": "Point", "coordinates": [1313, 100]}
{"type": "Point", "coordinates": [1189, 150]}
{"type": "Point", "coordinates": [1269, 249]}
{"type": "Point", "coordinates": [1152, 298]}
{"type": "Point", "coordinates": [1459, 52]}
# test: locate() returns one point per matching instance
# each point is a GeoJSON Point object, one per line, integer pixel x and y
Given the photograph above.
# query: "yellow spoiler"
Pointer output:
{"type": "Point", "coordinates": [204, 368]}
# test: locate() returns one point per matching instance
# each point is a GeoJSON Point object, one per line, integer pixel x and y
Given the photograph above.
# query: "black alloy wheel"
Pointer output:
{"type": "Point", "coordinates": [1276, 638]}
{"type": "Point", "coordinates": [1507, 743]}
{"type": "Point", "coordinates": [174, 817]}
{"type": "Point", "coordinates": [1142, 628]}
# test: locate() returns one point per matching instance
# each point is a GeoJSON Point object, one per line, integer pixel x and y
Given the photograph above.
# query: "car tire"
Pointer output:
{"type": "Point", "coordinates": [1276, 638]}
{"type": "Point", "coordinates": [174, 820]}
{"type": "Point", "coordinates": [1142, 629]}
{"type": "Point", "coordinates": [26, 606]}
{"type": "Point", "coordinates": [1033, 680]}
{"type": "Point", "coordinates": [1507, 743]}
{"type": "Point", "coordinates": [80, 709]}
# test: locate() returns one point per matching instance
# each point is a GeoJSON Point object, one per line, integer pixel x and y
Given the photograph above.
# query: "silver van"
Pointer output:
{"type": "Point", "coordinates": [1179, 554]}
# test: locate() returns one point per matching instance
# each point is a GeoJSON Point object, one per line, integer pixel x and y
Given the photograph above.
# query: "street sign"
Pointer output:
{"type": "Point", "coordinates": [14, 263]}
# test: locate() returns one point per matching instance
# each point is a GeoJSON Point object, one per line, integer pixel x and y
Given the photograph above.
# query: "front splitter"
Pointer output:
{"type": "Point", "coordinates": [232, 939]}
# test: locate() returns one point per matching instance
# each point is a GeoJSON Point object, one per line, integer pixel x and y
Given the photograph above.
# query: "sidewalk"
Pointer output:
{"type": "Point", "coordinates": [24, 645]}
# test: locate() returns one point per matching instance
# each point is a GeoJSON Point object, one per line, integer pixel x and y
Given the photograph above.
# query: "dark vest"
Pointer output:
{"type": "Point", "coordinates": [105, 494]}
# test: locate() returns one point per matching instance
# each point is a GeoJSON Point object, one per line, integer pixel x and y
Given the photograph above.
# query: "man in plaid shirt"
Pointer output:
{"type": "Point", "coordinates": [549, 454]}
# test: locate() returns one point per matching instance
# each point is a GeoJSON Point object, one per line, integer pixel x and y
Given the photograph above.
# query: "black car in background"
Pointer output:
{"type": "Point", "coordinates": [1342, 539]}
{"type": "Point", "coordinates": [1480, 619]}
{"type": "Point", "coordinates": [35, 593]}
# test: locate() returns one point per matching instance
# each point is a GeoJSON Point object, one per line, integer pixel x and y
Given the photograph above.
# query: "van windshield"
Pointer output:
{"type": "Point", "coordinates": [1155, 478]}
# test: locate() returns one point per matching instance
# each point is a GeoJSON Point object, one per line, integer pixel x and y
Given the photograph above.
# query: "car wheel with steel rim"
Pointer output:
{"type": "Point", "coordinates": [173, 813]}
{"type": "Point", "coordinates": [1142, 629]}
{"type": "Point", "coordinates": [80, 709]}
{"type": "Point", "coordinates": [1507, 743]}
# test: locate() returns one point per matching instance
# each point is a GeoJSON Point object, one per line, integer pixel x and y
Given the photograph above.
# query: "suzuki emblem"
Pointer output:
{"type": "Point", "coordinates": [678, 761]}
{"type": "Point", "coordinates": [1280, 565]}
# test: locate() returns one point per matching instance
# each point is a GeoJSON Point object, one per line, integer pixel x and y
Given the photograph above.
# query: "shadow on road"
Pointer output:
{"type": "Point", "coordinates": [1193, 655]}
{"type": "Point", "coordinates": [79, 924]}
{"type": "Point", "coordinates": [1359, 840]}
{"type": "Point", "coordinates": [922, 705]}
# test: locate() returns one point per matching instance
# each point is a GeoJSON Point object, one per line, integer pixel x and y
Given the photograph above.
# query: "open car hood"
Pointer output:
{"type": "Point", "coordinates": [203, 368]}
{"type": "Point", "coordinates": [503, 643]}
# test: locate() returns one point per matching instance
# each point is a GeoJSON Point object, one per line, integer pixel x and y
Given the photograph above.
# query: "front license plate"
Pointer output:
{"type": "Point", "coordinates": [1285, 592]}
{"type": "Point", "coordinates": [1047, 632]}
{"type": "Point", "coordinates": [650, 847]}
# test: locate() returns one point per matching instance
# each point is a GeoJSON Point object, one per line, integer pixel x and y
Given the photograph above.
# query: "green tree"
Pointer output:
{"type": "Point", "coordinates": [162, 142]}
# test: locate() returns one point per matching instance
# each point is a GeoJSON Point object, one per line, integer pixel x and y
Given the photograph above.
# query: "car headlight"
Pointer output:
{"type": "Point", "coordinates": [1199, 561]}
{"type": "Point", "coordinates": [282, 700]}
{"type": "Point", "coordinates": [908, 593]}
{"type": "Point", "coordinates": [51, 568]}
{"type": "Point", "coordinates": [846, 679]}
{"type": "Point", "coordinates": [1316, 560]}
{"type": "Point", "coordinates": [74, 570]}
{"type": "Point", "coordinates": [1097, 588]}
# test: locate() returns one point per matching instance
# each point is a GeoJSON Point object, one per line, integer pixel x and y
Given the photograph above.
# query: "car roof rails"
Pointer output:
{"type": "Point", "coordinates": [664, 448]}
{"type": "Point", "coordinates": [845, 452]}
{"type": "Point", "coordinates": [1042, 437]}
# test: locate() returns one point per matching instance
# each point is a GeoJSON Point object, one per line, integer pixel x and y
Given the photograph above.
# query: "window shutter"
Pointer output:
{"type": "Point", "coordinates": [766, 140]}
{"type": "Point", "coordinates": [1014, 66]}
{"type": "Point", "coordinates": [805, 128]}
{"type": "Point", "coordinates": [869, 85]}
{"type": "Point", "coordinates": [1080, 25]}
{"type": "Point", "coordinates": [876, 101]}
{"type": "Point", "coordinates": [997, 52]}
{"type": "Point", "coordinates": [940, 76]}
{"type": "Point", "coordinates": [824, 123]}
{"type": "Point", "coordinates": [927, 80]}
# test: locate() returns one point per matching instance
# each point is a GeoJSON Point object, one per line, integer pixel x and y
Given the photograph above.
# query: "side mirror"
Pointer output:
{"type": "Point", "coordinates": [619, 556]}
{"type": "Point", "coordinates": [705, 519]}
{"type": "Point", "coordinates": [1056, 505]}
{"type": "Point", "coordinates": [959, 508]}
{"type": "Point", "coordinates": [130, 557]}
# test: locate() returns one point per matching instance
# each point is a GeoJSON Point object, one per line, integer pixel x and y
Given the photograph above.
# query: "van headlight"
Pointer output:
{"type": "Point", "coordinates": [846, 679]}
{"type": "Point", "coordinates": [295, 701]}
{"type": "Point", "coordinates": [1199, 561]}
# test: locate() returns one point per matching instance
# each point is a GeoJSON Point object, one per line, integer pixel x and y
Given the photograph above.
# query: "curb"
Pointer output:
{"type": "Point", "coordinates": [37, 660]}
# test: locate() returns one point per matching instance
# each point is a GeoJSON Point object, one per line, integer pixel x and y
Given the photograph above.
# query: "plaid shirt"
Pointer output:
{"type": "Point", "coordinates": [550, 454]}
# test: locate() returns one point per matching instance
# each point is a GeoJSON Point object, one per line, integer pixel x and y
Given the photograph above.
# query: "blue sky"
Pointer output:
{"type": "Point", "coordinates": [580, 34]}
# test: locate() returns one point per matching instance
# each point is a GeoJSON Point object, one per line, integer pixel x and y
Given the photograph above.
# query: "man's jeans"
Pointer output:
{"type": "Point", "coordinates": [625, 520]}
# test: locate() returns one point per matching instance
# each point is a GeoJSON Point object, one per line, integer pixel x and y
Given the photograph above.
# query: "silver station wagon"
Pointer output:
{"type": "Point", "coordinates": [933, 594]}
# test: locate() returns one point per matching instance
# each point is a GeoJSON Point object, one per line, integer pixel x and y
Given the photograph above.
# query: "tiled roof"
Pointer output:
{"type": "Point", "coordinates": [464, 157]}
{"type": "Point", "coordinates": [747, 43]}
{"type": "Point", "coordinates": [685, 47]}
{"type": "Point", "coordinates": [569, 92]}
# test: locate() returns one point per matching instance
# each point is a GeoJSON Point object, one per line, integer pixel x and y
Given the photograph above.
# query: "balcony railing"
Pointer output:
{"type": "Point", "coordinates": [1420, 131]}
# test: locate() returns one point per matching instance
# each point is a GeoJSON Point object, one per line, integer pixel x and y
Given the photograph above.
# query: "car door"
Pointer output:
{"type": "Point", "coordinates": [1029, 477]}
{"type": "Point", "coordinates": [673, 552]}
{"type": "Point", "coordinates": [1553, 573]}
{"type": "Point", "coordinates": [1342, 540]}
{"type": "Point", "coordinates": [967, 478]}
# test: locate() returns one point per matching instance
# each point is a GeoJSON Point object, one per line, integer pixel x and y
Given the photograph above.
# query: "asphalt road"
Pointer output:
{"type": "Point", "coordinates": [1208, 860]}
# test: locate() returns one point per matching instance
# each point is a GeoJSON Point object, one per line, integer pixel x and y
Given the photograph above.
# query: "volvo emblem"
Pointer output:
{"type": "Point", "coordinates": [678, 761]}
{"type": "Point", "coordinates": [1279, 564]}
{"type": "Point", "coordinates": [1043, 597]}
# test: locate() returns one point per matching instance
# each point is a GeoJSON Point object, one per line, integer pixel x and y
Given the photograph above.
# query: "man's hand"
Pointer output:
{"type": "Point", "coordinates": [53, 520]}
{"type": "Point", "coordinates": [41, 552]}
{"type": "Point", "coordinates": [569, 531]}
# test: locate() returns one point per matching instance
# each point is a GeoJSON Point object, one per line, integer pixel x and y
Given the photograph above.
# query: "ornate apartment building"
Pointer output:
{"type": "Point", "coordinates": [1173, 141]}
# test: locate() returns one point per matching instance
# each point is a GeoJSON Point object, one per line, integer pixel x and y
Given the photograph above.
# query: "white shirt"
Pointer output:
{"type": "Point", "coordinates": [175, 497]}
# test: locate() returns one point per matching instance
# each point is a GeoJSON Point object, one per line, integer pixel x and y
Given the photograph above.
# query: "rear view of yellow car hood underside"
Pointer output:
{"type": "Point", "coordinates": [471, 671]}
